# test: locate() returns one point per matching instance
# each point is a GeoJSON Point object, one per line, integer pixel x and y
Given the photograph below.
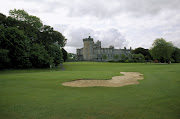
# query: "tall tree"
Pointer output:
{"type": "Point", "coordinates": [28, 23]}
{"type": "Point", "coordinates": [17, 46]}
{"type": "Point", "coordinates": [55, 53]}
{"type": "Point", "coordinates": [39, 57]}
{"type": "Point", "coordinates": [48, 35]}
{"type": "Point", "coordinates": [65, 54]}
{"type": "Point", "coordinates": [23, 16]}
{"type": "Point", "coordinates": [176, 55]}
{"type": "Point", "coordinates": [4, 58]}
{"type": "Point", "coordinates": [2, 18]}
{"type": "Point", "coordinates": [25, 42]}
{"type": "Point", "coordinates": [162, 50]}
{"type": "Point", "coordinates": [143, 51]}
{"type": "Point", "coordinates": [59, 38]}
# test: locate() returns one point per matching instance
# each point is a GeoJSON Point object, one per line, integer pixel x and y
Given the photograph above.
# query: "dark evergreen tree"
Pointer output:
{"type": "Point", "coordinates": [65, 55]}
{"type": "Point", "coordinates": [17, 46]}
{"type": "Point", "coordinates": [144, 52]}
{"type": "Point", "coordinates": [176, 55]}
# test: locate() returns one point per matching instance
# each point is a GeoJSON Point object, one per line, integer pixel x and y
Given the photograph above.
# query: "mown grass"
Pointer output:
{"type": "Point", "coordinates": [38, 94]}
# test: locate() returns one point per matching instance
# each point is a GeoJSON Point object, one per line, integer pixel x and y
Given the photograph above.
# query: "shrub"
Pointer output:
{"type": "Point", "coordinates": [111, 61]}
{"type": "Point", "coordinates": [131, 60]}
{"type": "Point", "coordinates": [126, 61]}
{"type": "Point", "coordinates": [135, 60]}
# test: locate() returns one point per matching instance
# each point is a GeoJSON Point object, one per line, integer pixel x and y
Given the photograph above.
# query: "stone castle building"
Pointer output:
{"type": "Point", "coordinates": [93, 51]}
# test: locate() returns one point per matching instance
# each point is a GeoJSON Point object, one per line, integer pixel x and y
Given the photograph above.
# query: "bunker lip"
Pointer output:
{"type": "Point", "coordinates": [128, 78]}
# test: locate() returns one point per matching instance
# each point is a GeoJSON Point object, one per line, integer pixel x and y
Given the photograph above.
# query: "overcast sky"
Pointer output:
{"type": "Point", "coordinates": [122, 23]}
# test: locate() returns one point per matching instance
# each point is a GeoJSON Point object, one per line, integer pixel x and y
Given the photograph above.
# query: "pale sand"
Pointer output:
{"type": "Point", "coordinates": [128, 78]}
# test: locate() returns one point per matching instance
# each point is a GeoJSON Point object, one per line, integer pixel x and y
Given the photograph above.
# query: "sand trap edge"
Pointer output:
{"type": "Point", "coordinates": [128, 78]}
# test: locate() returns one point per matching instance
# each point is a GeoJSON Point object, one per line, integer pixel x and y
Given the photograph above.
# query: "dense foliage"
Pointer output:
{"type": "Point", "coordinates": [65, 54]}
{"type": "Point", "coordinates": [162, 50]}
{"type": "Point", "coordinates": [26, 43]}
{"type": "Point", "coordinates": [175, 55]}
{"type": "Point", "coordinates": [72, 57]}
{"type": "Point", "coordinates": [144, 52]}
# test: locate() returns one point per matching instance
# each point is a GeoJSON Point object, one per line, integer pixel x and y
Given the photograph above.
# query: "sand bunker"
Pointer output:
{"type": "Point", "coordinates": [128, 78]}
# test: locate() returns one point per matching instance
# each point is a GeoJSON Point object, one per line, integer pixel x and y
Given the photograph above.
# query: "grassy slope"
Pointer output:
{"type": "Point", "coordinates": [41, 95]}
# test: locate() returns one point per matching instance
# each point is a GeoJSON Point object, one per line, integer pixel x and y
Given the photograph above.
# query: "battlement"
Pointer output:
{"type": "Point", "coordinates": [88, 39]}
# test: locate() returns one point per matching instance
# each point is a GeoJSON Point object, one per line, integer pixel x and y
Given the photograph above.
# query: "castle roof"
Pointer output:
{"type": "Point", "coordinates": [88, 39]}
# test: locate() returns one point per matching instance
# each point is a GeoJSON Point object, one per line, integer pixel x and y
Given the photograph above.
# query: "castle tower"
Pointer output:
{"type": "Point", "coordinates": [98, 44]}
{"type": "Point", "coordinates": [88, 48]}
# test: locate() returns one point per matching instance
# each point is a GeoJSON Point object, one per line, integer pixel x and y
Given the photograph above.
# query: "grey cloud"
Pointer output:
{"type": "Point", "coordinates": [60, 27]}
{"type": "Point", "coordinates": [46, 6]}
{"type": "Point", "coordinates": [111, 36]}
{"type": "Point", "coordinates": [34, 11]}
{"type": "Point", "coordinates": [177, 43]}
{"type": "Point", "coordinates": [142, 15]}
{"type": "Point", "coordinates": [107, 37]}
{"type": "Point", "coordinates": [36, 1]}
{"type": "Point", "coordinates": [75, 36]}
{"type": "Point", "coordinates": [107, 9]}
{"type": "Point", "coordinates": [70, 49]}
{"type": "Point", "coordinates": [93, 8]}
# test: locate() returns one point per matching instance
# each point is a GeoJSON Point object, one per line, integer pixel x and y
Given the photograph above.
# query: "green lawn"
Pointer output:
{"type": "Point", "coordinates": [38, 94]}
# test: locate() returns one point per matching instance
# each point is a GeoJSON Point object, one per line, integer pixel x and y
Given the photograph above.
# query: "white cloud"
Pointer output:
{"type": "Point", "coordinates": [131, 23]}
{"type": "Point", "coordinates": [75, 35]}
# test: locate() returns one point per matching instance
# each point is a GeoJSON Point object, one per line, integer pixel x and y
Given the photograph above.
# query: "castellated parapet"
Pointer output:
{"type": "Point", "coordinates": [93, 51]}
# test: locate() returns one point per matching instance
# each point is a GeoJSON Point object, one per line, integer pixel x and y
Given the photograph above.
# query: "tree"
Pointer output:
{"type": "Point", "coordinates": [55, 53]}
{"type": "Point", "coordinates": [147, 58]}
{"type": "Point", "coordinates": [176, 55]}
{"type": "Point", "coordinates": [72, 57]}
{"type": "Point", "coordinates": [17, 45]}
{"type": "Point", "coordinates": [142, 51]}
{"type": "Point", "coordinates": [59, 38]}
{"type": "Point", "coordinates": [123, 57]}
{"type": "Point", "coordinates": [25, 42]}
{"type": "Point", "coordinates": [116, 56]}
{"type": "Point", "coordinates": [136, 57]}
{"type": "Point", "coordinates": [39, 57]}
{"type": "Point", "coordinates": [8, 21]}
{"type": "Point", "coordinates": [65, 54]}
{"type": "Point", "coordinates": [162, 50]}
{"type": "Point", "coordinates": [140, 57]}
{"type": "Point", "coordinates": [2, 19]}
{"type": "Point", "coordinates": [4, 59]}
{"type": "Point", "coordinates": [28, 23]}
{"type": "Point", "coordinates": [47, 36]}
{"type": "Point", "coordinates": [104, 57]}
{"type": "Point", "coordinates": [23, 16]}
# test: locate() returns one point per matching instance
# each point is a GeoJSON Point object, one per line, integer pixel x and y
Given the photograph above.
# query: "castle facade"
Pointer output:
{"type": "Point", "coordinates": [93, 51]}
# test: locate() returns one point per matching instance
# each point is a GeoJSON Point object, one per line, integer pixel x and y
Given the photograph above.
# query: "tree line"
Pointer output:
{"type": "Point", "coordinates": [26, 43]}
{"type": "Point", "coordinates": [161, 51]}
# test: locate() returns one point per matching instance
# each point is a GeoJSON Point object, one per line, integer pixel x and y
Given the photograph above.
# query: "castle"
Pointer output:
{"type": "Point", "coordinates": [93, 51]}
